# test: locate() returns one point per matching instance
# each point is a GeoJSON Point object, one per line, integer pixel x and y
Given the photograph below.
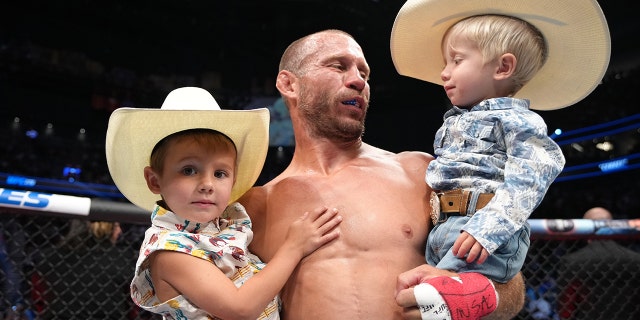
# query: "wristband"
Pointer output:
{"type": "Point", "coordinates": [430, 303]}
{"type": "Point", "coordinates": [471, 296]}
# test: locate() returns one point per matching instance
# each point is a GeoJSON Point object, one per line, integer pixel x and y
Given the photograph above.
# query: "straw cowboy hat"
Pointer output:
{"type": "Point", "coordinates": [132, 133]}
{"type": "Point", "coordinates": [576, 33]}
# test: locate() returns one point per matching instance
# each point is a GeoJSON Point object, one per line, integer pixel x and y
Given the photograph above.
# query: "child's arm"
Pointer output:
{"type": "Point", "coordinates": [208, 288]}
{"type": "Point", "coordinates": [467, 245]}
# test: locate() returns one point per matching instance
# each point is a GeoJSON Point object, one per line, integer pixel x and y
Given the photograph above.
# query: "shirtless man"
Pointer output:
{"type": "Point", "coordinates": [381, 196]}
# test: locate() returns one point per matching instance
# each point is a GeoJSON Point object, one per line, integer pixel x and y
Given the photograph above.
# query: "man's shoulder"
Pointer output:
{"type": "Point", "coordinates": [417, 155]}
{"type": "Point", "coordinates": [400, 156]}
{"type": "Point", "coordinates": [259, 195]}
{"type": "Point", "coordinates": [413, 158]}
{"type": "Point", "coordinates": [411, 162]}
{"type": "Point", "coordinates": [254, 199]}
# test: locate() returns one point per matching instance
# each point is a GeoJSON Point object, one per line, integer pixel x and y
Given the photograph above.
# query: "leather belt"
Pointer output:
{"type": "Point", "coordinates": [456, 203]}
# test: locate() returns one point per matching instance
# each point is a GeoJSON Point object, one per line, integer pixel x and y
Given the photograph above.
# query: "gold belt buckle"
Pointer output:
{"type": "Point", "coordinates": [434, 201]}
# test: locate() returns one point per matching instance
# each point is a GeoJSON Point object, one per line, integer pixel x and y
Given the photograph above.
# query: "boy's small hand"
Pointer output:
{"type": "Point", "coordinates": [315, 229]}
{"type": "Point", "coordinates": [467, 245]}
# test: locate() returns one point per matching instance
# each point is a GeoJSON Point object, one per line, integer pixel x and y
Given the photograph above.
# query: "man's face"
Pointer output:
{"type": "Point", "coordinates": [334, 91]}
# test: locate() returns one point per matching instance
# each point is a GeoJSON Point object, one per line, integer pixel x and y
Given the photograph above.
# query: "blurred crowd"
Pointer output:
{"type": "Point", "coordinates": [29, 149]}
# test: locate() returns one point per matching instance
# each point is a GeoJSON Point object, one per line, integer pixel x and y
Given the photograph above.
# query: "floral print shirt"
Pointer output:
{"type": "Point", "coordinates": [223, 242]}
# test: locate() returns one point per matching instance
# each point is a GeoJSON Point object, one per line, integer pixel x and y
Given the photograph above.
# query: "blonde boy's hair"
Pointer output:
{"type": "Point", "coordinates": [495, 35]}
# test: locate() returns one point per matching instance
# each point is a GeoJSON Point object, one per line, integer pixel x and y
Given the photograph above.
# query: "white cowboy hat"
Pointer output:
{"type": "Point", "coordinates": [132, 133]}
{"type": "Point", "coordinates": [576, 33]}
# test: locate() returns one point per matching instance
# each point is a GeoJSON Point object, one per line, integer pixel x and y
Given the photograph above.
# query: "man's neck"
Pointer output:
{"type": "Point", "coordinates": [323, 156]}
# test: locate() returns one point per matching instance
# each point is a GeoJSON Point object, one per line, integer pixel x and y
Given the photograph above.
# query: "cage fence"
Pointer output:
{"type": "Point", "coordinates": [57, 267]}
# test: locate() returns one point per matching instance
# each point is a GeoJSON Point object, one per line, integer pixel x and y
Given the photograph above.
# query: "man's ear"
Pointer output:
{"type": "Point", "coordinates": [152, 180]}
{"type": "Point", "coordinates": [285, 82]}
{"type": "Point", "coordinates": [506, 66]}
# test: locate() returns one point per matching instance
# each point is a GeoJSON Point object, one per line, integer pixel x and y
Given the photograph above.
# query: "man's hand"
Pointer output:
{"type": "Point", "coordinates": [409, 279]}
{"type": "Point", "coordinates": [511, 293]}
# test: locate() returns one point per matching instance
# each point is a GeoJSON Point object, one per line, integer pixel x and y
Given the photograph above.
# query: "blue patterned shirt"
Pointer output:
{"type": "Point", "coordinates": [499, 146]}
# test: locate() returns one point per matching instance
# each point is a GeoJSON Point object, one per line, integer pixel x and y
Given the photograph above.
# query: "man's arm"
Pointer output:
{"type": "Point", "coordinates": [511, 294]}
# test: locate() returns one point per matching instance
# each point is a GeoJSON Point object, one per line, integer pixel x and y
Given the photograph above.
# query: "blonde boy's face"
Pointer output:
{"type": "Point", "coordinates": [196, 180]}
{"type": "Point", "coordinates": [467, 78]}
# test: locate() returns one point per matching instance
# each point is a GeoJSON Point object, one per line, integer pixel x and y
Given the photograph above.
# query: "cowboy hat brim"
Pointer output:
{"type": "Point", "coordinates": [576, 32]}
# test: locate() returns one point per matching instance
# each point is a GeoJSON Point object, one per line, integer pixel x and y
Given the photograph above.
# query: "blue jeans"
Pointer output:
{"type": "Point", "coordinates": [501, 266]}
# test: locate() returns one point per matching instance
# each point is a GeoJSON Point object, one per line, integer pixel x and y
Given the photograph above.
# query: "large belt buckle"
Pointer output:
{"type": "Point", "coordinates": [434, 201]}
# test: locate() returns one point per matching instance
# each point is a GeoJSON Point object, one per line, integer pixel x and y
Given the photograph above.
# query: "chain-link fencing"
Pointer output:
{"type": "Point", "coordinates": [54, 267]}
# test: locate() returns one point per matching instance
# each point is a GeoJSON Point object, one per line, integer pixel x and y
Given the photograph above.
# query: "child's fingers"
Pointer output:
{"type": "Point", "coordinates": [328, 221]}
{"type": "Point", "coordinates": [463, 244]}
{"type": "Point", "coordinates": [474, 252]}
{"type": "Point", "coordinates": [331, 224]}
{"type": "Point", "coordinates": [316, 213]}
{"type": "Point", "coordinates": [457, 244]}
{"type": "Point", "coordinates": [322, 217]}
{"type": "Point", "coordinates": [483, 256]}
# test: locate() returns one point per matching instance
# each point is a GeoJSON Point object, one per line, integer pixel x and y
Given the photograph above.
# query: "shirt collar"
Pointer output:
{"type": "Point", "coordinates": [167, 219]}
{"type": "Point", "coordinates": [502, 103]}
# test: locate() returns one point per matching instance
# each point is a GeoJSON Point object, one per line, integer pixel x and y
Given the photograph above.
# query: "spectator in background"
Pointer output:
{"type": "Point", "coordinates": [600, 282]}
{"type": "Point", "coordinates": [106, 230]}
{"type": "Point", "coordinates": [604, 225]}
{"type": "Point", "coordinates": [598, 213]}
